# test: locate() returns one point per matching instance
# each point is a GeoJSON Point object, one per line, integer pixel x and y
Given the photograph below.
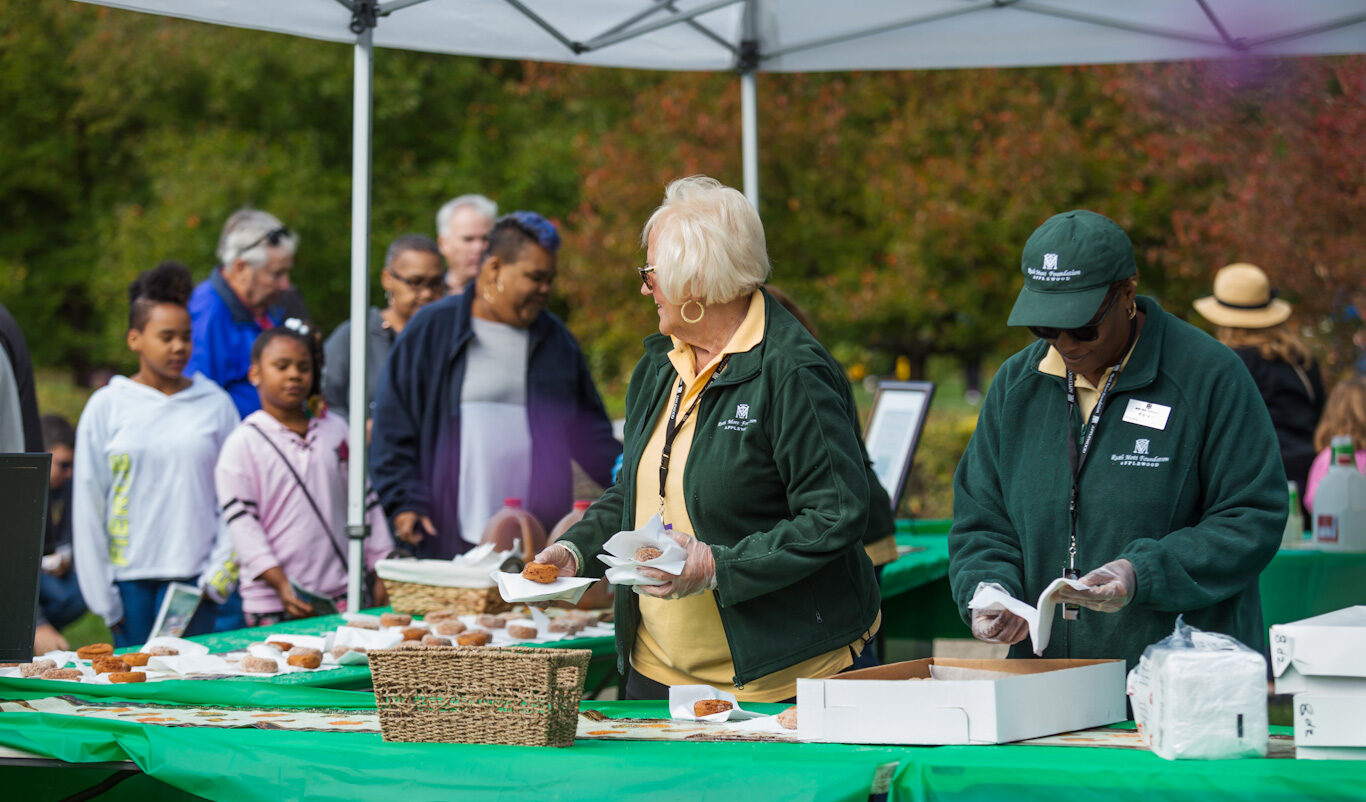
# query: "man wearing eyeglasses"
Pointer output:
{"type": "Point", "coordinates": [1124, 448]}
{"type": "Point", "coordinates": [412, 278]}
{"type": "Point", "coordinates": [242, 297]}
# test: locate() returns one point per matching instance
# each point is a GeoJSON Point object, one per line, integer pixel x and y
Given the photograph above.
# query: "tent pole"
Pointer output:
{"type": "Point", "coordinates": [749, 134]}
{"type": "Point", "coordinates": [356, 529]}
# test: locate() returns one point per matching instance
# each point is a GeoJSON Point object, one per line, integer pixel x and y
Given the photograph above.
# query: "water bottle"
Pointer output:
{"type": "Point", "coordinates": [1340, 502]}
{"type": "Point", "coordinates": [1293, 537]}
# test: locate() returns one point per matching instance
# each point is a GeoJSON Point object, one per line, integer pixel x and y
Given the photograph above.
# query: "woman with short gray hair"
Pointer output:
{"type": "Point", "coordinates": [741, 436]}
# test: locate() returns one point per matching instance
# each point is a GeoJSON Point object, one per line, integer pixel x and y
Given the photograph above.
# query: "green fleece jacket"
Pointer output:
{"type": "Point", "coordinates": [1197, 506]}
{"type": "Point", "coordinates": [776, 484]}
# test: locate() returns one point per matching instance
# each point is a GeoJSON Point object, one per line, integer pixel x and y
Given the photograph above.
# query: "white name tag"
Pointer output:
{"type": "Point", "coordinates": [1146, 413]}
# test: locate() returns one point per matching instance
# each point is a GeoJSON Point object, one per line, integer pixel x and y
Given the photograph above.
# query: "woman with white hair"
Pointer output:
{"type": "Point", "coordinates": [740, 434]}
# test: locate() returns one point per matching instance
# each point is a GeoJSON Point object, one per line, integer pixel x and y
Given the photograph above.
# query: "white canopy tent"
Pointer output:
{"type": "Point", "coordinates": [749, 36]}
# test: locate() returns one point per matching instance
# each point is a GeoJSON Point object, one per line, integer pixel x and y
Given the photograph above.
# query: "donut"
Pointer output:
{"type": "Point", "coordinates": [543, 573]}
{"type": "Point", "coordinates": [135, 658]}
{"type": "Point", "coordinates": [521, 632]}
{"type": "Point", "coordinates": [411, 644]}
{"type": "Point", "coordinates": [647, 553]}
{"type": "Point", "coordinates": [476, 637]}
{"type": "Point", "coordinates": [127, 676]}
{"type": "Point", "coordinates": [491, 621]}
{"type": "Point", "coordinates": [305, 650]}
{"type": "Point", "coordinates": [339, 651]}
{"type": "Point", "coordinates": [414, 633]}
{"type": "Point", "coordinates": [260, 665]}
{"type": "Point", "coordinates": [61, 673]}
{"type": "Point", "coordinates": [160, 651]}
{"type": "Point", "coordinates": [282, 645]}
{"type": "Point", "coordinates": [788, 718]}
{"type": "Point", "coordinates": [433, 640]}
{"type": "Point", "coordinates": [363, 623]}
{"type": "Point", "coordinates": [565, 625]}
{"type": "Point", "coordinates": [444, 614]}
{"type": "Point", "coordinates": [304, 660]}
{"type": "Point", "coordinates": [395, 619]}
{"type": "Point", "coordinates": [449, 627]}
{"type": "Point", "coordinates": [95, 650]}
{"type": "Point", "coordinates": [108, 665]}
{"type": "Point", "coordinates": [36, 668]}
{"type": "Point", "coordinates": [706, 707]}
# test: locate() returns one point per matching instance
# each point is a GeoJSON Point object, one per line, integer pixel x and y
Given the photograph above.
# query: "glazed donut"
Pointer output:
{"type": "Point", "coordinates": [95, 650]}
{"type": "Point", "coordinates": [395, 619]}
{"type": "Point", "coordinates": [476, 637]}
{"type": "Point", "coordinates": [127, 676]}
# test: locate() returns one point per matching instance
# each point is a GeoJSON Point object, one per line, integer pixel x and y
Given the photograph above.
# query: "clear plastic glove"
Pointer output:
{"type": "Point", "coordinates": [560, 557]}
{"type": "Point", "coordinates": [1110, 587]}
{"type": "Point", "coordinates": [698, 574]}
{"type": "Point", "coordinates": [410, 527]}
{"type": "Point", "coordinates": [997, 626]}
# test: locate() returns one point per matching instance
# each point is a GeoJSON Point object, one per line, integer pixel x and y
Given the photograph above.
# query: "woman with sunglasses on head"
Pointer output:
{"type": "Point", "coordinates": [487, 396]}
{"type": "Point", "coordinates": [144, 508]}
{"type": "Point", "coordinates": [242, 297]}
{"type": "Point", "coordinates": [1126, 449]}
{"type": "Point", "coordinates": [741, 435]}
{"type": "Point", "coordinates": [413, 277]}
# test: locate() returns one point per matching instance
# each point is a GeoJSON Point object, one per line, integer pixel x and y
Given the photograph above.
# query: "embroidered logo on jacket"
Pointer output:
{"type": "Point", "coordinates": [741, 422]}
{"type": "Point", "coordinates": [742, 411]}
{"type": "Point", "coordinates": [1141, 445]}
{"type": "Point", "coordinates": [1141, 456]}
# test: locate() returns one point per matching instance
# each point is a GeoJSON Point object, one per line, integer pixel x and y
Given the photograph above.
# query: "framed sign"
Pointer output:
{"type": "Point", "coordinates": [894, 427]}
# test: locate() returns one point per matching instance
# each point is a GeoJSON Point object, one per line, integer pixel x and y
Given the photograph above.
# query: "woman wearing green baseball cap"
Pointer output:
{"type": "Point", "coordinates": [1126, 449]}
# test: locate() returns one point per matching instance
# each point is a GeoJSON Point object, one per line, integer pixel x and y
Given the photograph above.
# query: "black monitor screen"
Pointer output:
{"type": "Point", "coordinates": [23, 516]}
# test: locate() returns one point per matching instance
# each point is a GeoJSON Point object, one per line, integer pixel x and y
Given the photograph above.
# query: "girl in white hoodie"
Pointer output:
{"type": "Point", "coordinates": [144, 510]}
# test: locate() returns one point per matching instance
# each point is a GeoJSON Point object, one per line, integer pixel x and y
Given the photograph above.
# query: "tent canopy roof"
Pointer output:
{"type": "Point", "coordinates": [809, 35]}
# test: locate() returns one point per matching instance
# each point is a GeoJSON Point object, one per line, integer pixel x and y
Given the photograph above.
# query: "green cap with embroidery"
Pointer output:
{"type": "Point", "coordinates": [1069, 264]}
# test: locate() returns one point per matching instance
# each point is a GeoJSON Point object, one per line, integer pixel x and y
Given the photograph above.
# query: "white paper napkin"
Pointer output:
{"type": "Point", "coordinates": [185, 647]}
{"type": "Point", "coordinates": [366, 638]}
{"type": "Point", "coordinates": [516, 588]}
{"type": "Point", "coordinates": [371, 621]}
{"type": "Point", "coordinates": [1040, 618]}
{"type": "Point", "coordinates": [623, 546]}
{"type": "Point", "coordinates": [767, 724]}
{"type": "Point", "coordinates": [192, 664]}
{"type": "Point", "coordinates": [681, 698]}
{"type": "Point", "coordinates": [307, 641]}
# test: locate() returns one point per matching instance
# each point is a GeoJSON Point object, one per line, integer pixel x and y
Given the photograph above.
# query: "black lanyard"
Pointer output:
{"type": "Point", "coordinates": [1078, 461]}
{"type": "Point", "coordinates": [674, 425]}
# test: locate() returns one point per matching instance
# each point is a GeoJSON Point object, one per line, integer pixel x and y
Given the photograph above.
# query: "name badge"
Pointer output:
{"type": "Point", "coordinates": [1146, 413]}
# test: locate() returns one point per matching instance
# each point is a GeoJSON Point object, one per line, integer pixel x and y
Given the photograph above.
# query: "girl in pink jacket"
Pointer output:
{"type": "Point", "coordinates": [281, 481]}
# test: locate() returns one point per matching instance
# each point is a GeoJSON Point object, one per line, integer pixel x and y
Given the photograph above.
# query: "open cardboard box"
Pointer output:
{"type": "Point", "coordinates": [887, 705]}
{"type": "Point", "coordinates": [1325, 654]}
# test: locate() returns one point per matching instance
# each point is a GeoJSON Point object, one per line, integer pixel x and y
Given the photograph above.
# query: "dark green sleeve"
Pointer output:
{"type": "Point", "coordinates": [1243, 484]}
{"type": "Point", "coordinates": [983, 545]}
{"type": "Point", "coordinates": [816, 453]}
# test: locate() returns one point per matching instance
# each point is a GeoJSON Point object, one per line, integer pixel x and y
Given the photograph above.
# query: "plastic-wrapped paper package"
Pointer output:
{"type": "Point", "coordinates": [1200, 696]}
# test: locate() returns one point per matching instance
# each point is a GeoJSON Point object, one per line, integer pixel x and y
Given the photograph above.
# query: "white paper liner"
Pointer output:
{"type": "Point", "coordinates": [192, 664]}
{"type": "Point", "coordinates": [516, 588]}
{"type": "Point", "coordinates": [1040, 618]}
{"type": "Point", "coordinates": [958, 673]}
{"type": "Point", "coordinates": [184, 647]}
{"type": "Point", "coordinates": [366, 638]}
{"type": "Point", "coordinates": [442, 573]}
{"type": "Point", "coordinates": [630, 576]}
{"type": "Point", "coordinates": [681, 698]}
{"type": "Point", "coordinates": [768, 724]}
{"type": "Point", "coordinates": [318, 642]}
{"type": "Point", "coordinates": [623, 547]}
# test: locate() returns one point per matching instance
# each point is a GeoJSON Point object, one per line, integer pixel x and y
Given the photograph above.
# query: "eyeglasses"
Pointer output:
{"type": "Point", "coordinates": [1083, 334]}
{"type": "Point", "coordinates": [274, 237]}
{"type": "Point", "coordinates": [435, 285]}
{"type": "Point", "coordinates": [645, 276]}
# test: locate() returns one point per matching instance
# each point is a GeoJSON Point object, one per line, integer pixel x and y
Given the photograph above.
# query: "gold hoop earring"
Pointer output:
{"type": "Point", "coordinates": [701, 310]}
{"type": "Point", "coordinates": [1133, 310]}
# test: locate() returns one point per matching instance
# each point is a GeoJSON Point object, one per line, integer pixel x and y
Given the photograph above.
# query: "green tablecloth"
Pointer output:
{"type": "Point", "coordinates": [917, 605]}
{"type": "Point", "coordinates": [358, 677]}
{"type": "Point", "coordinates": [269, 765]}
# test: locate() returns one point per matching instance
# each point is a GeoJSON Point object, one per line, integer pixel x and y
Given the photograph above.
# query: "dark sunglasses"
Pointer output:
{"type": "Point", "coordinates": [1083, 334]}
{"type": "Point", "coordinates": [645, 276]}
{"type": "Point", "coordinates": [436, 285]}
{"type": "Point", "coordinates": [274, 237]}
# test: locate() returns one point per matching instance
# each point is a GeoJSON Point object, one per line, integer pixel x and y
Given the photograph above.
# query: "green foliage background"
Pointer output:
{"type": "Point", "coordinates": [895, 203]}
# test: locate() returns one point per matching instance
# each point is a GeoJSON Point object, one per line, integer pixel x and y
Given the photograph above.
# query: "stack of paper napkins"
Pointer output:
{"type": "Point", "coordinates": [1200, 696]}
{"type": "Point", "coordinates": [1322, 661]}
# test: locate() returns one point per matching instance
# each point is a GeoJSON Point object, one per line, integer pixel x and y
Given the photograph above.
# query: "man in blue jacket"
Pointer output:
{"type": "Point", "coordinates": [241, 298]}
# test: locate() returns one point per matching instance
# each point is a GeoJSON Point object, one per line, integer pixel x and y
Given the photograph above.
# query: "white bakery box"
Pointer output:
{"type": "Point", "coordinates": [1322, 661]}
{"type": "Point", "coordinates": [938, 701]}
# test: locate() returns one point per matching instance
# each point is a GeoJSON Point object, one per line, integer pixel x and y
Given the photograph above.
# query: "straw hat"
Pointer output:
{"type": "Point", "coordinates": [1243, 299]}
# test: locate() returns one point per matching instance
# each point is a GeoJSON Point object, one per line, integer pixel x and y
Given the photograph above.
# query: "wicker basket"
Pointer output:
{"type": "Point", "coordinates": [479, 695]}
{"type": "Point", "coordinates": [417, 599]}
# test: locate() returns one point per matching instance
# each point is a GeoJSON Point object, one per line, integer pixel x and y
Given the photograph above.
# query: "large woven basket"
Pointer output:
{"type": "Point", "coordinates": [417, 599]}
{"type": "Point", "coordinates": [479, 695]}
